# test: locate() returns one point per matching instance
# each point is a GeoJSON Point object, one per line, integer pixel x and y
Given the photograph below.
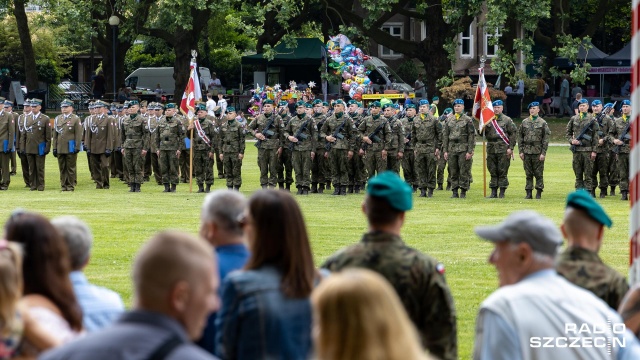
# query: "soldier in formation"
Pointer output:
{"type": "Point", "coordinates": [426, 140]}
{"type": "Point", "coordinates": [533, 141]}
{"type": "Point", "coordinates": [168, 143]}
{"type": "Point", "coordinates": [459, 144]}
{"type": "Point", "coordinates": [582, 134]}
{"type": "Point", "coordinates": [601, 163]}
{"type": "Point", "coordinates": [395, 147]}
{"type": "Point", "coordinates": [320, 171]}
{"type": "Point", "coordinates": [301, 134]}
{"type": "Point", "coordinates": [338, 131]}
{"type": "Point", "coordinates": [100, 140]}
{"type": "Point", "coordinates": [375, 133]}
{"type": "Point", "coordinates": [285, 166]}
{"type": "Point", "coordinates": [621, 138]}
{"type": "Point", "coordinates": [408, 159]}
{"type": "Point", "coordinates": [155, 111]}
{"type": "Point", "coordinates": [501, 136]}
{"type": "Point", "coordinates": [232, 145]}
{"type": "Point", "coordinates": [357, 170]}
{"type": "Point", "coordinates": [117, 167]}
{"type": "Point", "coordinates": [203, 144]}
{"type": "Point", "coordinates": [442, 163]}
{"type": "Point", "coordinates": [135, 143]}
{"type": "Point", "coordinates": [35, 143]}
{"type": "Point", "coordinates": [267, 128]}
{"type": "Point", "coordinates": [67, 140]}
{"type": "Point", "coordinates": [8, 108]}
{"type": "Point", "coordinates": [7, 135]}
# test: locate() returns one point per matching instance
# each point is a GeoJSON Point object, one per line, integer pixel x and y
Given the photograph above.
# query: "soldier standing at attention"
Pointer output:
{"type": "Point", "coordinates": [426, 138]}
{"type": "Point", "coordinates": [409, 159]}
{"type": "Point", "coordinates": [117, 169]}
{"type": "Point", "coordinates": [36, 144]}
{"type": "Point", "coordinates": [267, 129]}
{"type": "Point", "coordinates": [67, 138]}
{"type": "Point", "coordinates": [417, 278]}
{"type": "Point", "coordinates": [217, 119]}
{"type": "Point", "coordinates": [357, 170]}
{"type": "Point", "coordinates": [533, 141]}
{"type": "Point", "coordinates": [7, 135]}
{"type": "Point", "coordinates": [620, 130]}
{"type": "Point", "coordinates": [203, 147]}
{"type": "Point", "coordinates": [338, 132]}
{"type": "Point", "coordinates": [99, 142]}
{"type": "Point", "coordinates": [155, 113]}
{"type": "Point", "coordinates": [24, 164]}
{"type": "Point", "coordinates": [584, 149]}
{"type": "Point", "coordinates": [184, 162]}
{"type": "Point", "coordinates": [170, 133]}
{"type": "Point", "coordinates": [232, 145]}
{"type": "Point", "coordinates": [601, 164]}
{"type": "Point", "coordinates": [146, 167]}
{"type": "Point", "coordinates": [612, 171]}
{"type": "Point", "coordinates": [135, 143]}
{"type": "Point", "coordinates": [320, 172]}
{"type": "Point", "coordinates": [501, 140]}
{"type": "Point", "coordinates": [85, 142]}
{"type": "Point", "coordinates": [395, 147]}
{"type": "Point", "coordinates": [8, 108]}
{"type": "Point", "coordinates": [459, 142]}
{"type": "Point", "coordinates": [375, 133]}
{"type": "Point", "coordinates": [301, 133]}
{"type": "Point", "coordinates": [442, 163]}
{"type": "Point", "coordinates": [285, 166]}
{"type": "Point", "coordinates": [583, 227]}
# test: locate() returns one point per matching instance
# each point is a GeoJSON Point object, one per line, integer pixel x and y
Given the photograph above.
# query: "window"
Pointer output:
{"type": "Point", "coordinates": [491, 50]}
{"type": "Point", "coordinates": [396, 30]}
{"type": "Point", "coordinates": [466, 42]}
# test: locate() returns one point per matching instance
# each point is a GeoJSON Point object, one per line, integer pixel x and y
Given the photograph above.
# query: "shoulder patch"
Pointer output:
{"type": "Point", "coordinates": [440, 268]}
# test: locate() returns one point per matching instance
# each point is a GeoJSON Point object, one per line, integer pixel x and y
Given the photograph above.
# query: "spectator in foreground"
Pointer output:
{"type": "Point", "coordinates": [219, 226]}
{"type": "Point", "coordinates": [266, 308]}
{"type": "Point", "coordinates": [377, 326]}
{"type": "Point", "coordinates": [175, 284]}
{"type": "Point", "coordinates": [417, 278]}
{"type": "Point", "coordinates": [534, 303]}
{"type": "Point", "coordinates": [100, 306]}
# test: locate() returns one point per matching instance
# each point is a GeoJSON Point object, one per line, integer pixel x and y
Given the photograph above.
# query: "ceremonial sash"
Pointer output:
{"type": "Point", "coordinates": [201, 133]}
{"type": "Point", "coordinates": [500, 132]}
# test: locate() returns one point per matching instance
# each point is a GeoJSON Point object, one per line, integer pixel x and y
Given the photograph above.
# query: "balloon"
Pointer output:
{"type": "Point", "coordinates": [345, 86]}
{"type": "Point", "coordinates": [346, 75]}
{"type": "Point", "coordinates": [357, 96]}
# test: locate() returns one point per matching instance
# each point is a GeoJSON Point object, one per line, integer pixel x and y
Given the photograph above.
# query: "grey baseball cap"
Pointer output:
{"type": "Point", "coordinates": [525, 226]}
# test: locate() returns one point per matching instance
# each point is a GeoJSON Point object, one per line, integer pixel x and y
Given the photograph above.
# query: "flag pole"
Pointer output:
{"type": "Point", "coordinates": [484, 144]}
{"type": "Point", "coordinates": [191, 158]}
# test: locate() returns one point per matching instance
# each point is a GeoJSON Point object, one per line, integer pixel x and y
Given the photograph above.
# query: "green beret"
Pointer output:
{"type": "Point", "coordinates": [389, 186]}
{"type": "Point", "coordinates": [375, 104]}
{"type": "Point", "coordinates": [387, 106]}
{"type": "Point", "coordinates": [268, 101]}
{"type": "Point", "coordinates": [201, 106]}
{"type": "Point", "coordinates": [324, 103]}
{"type": "Point", "coordinates": [308, 105]}
{"type": "Point", "coordinates": [231, 109]}
{"type": "Point", "coordinates": [338, 102]}
{"type": "Point", "coordinates": [282, 103]}
{"type": "Point", "coordinates": [352, 102]}
{"type": "Point", "coordinates": [581, 199]}
{"type": "Point", "coordinates": [300, 103]}
{"type": "Point", "coordinates": [410, 106]}
{"type": "Point", "coordinates": [133, 102]}
{"type": "Point", "coordinates": [317, 102]}
{"type": "Point", "coordinates": [171, 106]}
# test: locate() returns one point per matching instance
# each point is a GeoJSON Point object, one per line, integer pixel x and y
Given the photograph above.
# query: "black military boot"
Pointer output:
{"type": "Point", "coordinates": [236, 188]}
{"type": "Point", "coordinates": [343, 190]}
{"type": "Point", "coordinates": [423, 192]}
{"type": "Point", "coordinates": [314, 187]}
{"type": "Point", "coordinates": [494, 193]}
{"type": "Point", "coordinates": [439, 186]}
{"type": "Point", "coordinates": [463, 194]}
{"type": "Point", "coordinates": [138, 187]}
{"type": "Point", "coordinates": [350, 189]}
{"type": "Point", "coordinates": [305, 191]}
{"type": "Point", "coordinates": [356, 189]}
{"type": "Point", "coordinates": [264, 186]}
{"type": "Point", "coordinates": [415, 188]}
{"type": "Point", "coordinates": [208, 188]}
{"type": "Point", "coordinates": [166, 188]}
{"type": "Point", "coordinates": [455, 194]}
{"type": "Point", "coordinates": [320, 188]}
{"type": "Point", "coordinates": [502, 190]}
{"type": "Point", "coordinates": [430, 192]}
{"type": "Point", "coordinates": [288, 188]}
{"type": "Point", "coordinates": [448, 186]}
{"type": "Point", "coordinates": [538, 193]}
{"type": "Point", "coordinates": [613, 191]}
{"type": "Point", "coordinates": [173, 187]}
{"type": "Point", "coordinates": [132, 187]}
{"type": "Point", "coordinates": [624, 195]}
{"type": "Point", "coordinates": [281, 186]}
{"type": "Point", "coordinates": [200, 188]}
{"type": "Point", "coordinates": [593, 193]}
{"type": "Point", "coordinates": [299, 192]}
{"type": "Point", "coordinates": [528, 194]}
{"type": "Point", "coordinates": [328, 186]}
{"type": "Point", "coordinates": [229, 187]}
{"type": "Point", "coordinates": [336, 190]}
{"type": "Point", "coordinates": [603, 192]}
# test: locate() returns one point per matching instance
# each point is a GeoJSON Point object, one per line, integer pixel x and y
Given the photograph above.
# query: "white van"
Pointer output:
{"type": "Point", "coordinates": [381, 72]}
{"type": "Point", "coordinates": [149, 78]}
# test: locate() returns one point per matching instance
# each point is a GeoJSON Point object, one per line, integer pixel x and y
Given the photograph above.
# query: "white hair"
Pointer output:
{"type": "Point", "coordinates": [77, 236]}
{"type": "Point", "coordinates": [224, 208]}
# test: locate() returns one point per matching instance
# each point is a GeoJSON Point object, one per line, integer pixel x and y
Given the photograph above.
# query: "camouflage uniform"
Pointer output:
{"type": "Point", "coordinates": [356, 168]}
{"type": "Point", "coordinates": [146, 165]}
{"type": "Point", "coordinates": [218, 121]}
{"type": "Point", "coordinates": [320, 171]}
{"type": "Point", "coordinates": [302, 149]}
{"type": "Point", "coordinates": [373, 157]}
{"type": "Point", "coordinates": [338, 152]}
{"type": "Point", "coordinates": [184, 162]}
{"type": "Point", "coordinates": [395, 145]}
{"type": "Point", "coordinates": [168, 141]}
{"type": "Point", "coordinates": [426, 137]}
{"type": "Point", "coordinates": [151, 127]}
{"type": "Point", "coordinates": [231, 144]}
{"type": "Point", "coordinates": [442, 163]}
{"type": "Point", "coordinates": [409, 159]}
{"type": "Point", "coordinates": [459, 139]}
{"type": "Point", "coordinates": [617, 130]}
{"type": "Point", "coordinates": [202, 153]}
{"type": "Point", "coordinates": [419, 282]}
{"type": "Point", "coordinates": [268, 149]}
{"type": "Point", "coordinates": [585, 268]}
{"type": "Point", "coordinates": [533, 141]}
{"type": "Point", "coordinates": [582, 163]}
{"type": "Point", "coordinates": [134, 139]}
{"type": "Point", "coordinates": [498, 162]}
{"type": "Point", "coordinates": [601, 164]}
{"type": "Point", "coordinates": [285, 165]}
{"type": "Point", "coordinates": [67, 139]}
{"type": "Point", "coordinates": [7, 135]}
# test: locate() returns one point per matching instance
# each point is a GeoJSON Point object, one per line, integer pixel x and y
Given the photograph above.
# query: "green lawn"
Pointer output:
{"type": "Point", "coordinates": [440, 226]}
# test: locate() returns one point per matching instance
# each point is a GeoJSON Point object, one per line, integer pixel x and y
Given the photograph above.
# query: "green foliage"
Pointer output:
{"type": "Point", "coordinates": [151, 53]}
{"type": "Point", "coordinates": [408, 71]}
{"type": "Point", "coordinates": [569, 49]}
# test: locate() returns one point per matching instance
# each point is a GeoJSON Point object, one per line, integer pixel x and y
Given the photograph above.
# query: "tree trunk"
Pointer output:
{"type": "Point", "coordinates": [27, 47]}
{"type": "Point", "coordinates": [182, 49]}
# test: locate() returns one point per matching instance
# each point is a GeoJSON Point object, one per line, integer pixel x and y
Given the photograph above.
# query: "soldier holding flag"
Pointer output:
{"type": "Point", "coordinates": [501, 135]}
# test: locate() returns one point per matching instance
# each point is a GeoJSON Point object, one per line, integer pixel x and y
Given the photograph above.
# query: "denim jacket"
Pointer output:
{"type": "Point", "coordinates": [257, 321]}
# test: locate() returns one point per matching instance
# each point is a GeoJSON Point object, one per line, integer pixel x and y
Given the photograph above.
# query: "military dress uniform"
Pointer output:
{"type": "Point", "coordinates": [134, 139]}
{"type": "Point", "coordinates": [100, 141]}
{"type": "Point", "coordinates": [320, 170]}
{"type": "Point", "coordinates": [232, 145]}
{"type": "Point", "coordinates": [67, 139]}
{"type": "Point", "coordinates": [340, 127]}
{"type": "Point", "coordinates": [533, 141]}
{"type": "Point", "coordinates": [357, 169]}
{"type": "Point", "coordinates": [304, 129]}
{"type": "Point", "coordinates": [7, 136]}
{"type": "Point", "coordinates": [268, 148]}
{"type": "Point", "coordinates": [36, 143]}
{"type": "Point", "coordinates": [459, 139]}
{"type": "Point", "coordinates": [147, 169]}
{"type": "Point", "coordinates": [426, 139]}
{"type": "Point", "coordinates": [203, 145]}
{"type": "Point", "coordinates": [24, 164]}
{"type": "Point", "coordinates": [621, 124]}
{"type": "Point", "coordinates": [85, 142]}
{"type": "Point", "coordinates": [601, 164]}
{"type": "Point", "coordinates": [285, 164]}
{"type": "Point", "coordinates": [117, 168]}
{"type": "Point", "coordinates": [217, 121]}
{"type": "Point", "coordinates": [498, 162]}
{"type": "Point", "coordinates": [582, 163]}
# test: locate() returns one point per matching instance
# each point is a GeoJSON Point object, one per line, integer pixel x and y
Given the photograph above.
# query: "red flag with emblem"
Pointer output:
{"type": "Point", "coordinates": [482, 107]}
{"type": "Point", "coordinates": [192, 93]}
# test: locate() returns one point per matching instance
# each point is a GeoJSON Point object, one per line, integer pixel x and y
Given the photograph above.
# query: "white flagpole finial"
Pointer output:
{"type": "Point", "coordinates": [194, 55]}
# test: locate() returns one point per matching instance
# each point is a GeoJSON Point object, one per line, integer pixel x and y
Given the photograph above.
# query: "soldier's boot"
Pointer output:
{"type": "Point", "coordinates": [336, 190]}
{"type": "Point", "coordinates": [299, 190]}
{"type": "Point", "coordinates": [236, 188]}
{"type": "Point", "coordinates": [463, 194]}
{"type": "Point", "coordinates": [502, 190]}
{"type": "Point", "coordinates": [166, 187]}
{"type": "Point", "coordinates": [314, 187]}
{"type": "Point", "coordinates": [288, 187]}
{"type": "Point", "coordinates": [415, 188]}
{"type": "Point", "coordinates": [494, 193]}
{"type": "Point", "coordinates": [593, 192]}
{"type": "Point", "coordinates": [229, 187]}
{"type": "Point", "coordinates": [281, 185]}
{"type": "Point", "coordinates": [455, 194]}
{"type": "Point", "coordinates": [132, 187]}
{"type": "Point", "coordinates": [264, 186]}
{"type": "Point", "coordinates": [200, 188]}
{"type": "Point", "coordinates": [350, 189]}
{"type": "Point", "coordinates": [356, 189]}
{"type": "Point", "coordinates": [320, 189]}
{"type": "Point", "coordinates": [528, 194]}
{"type": "Point", "coordinates": [138, 187]}
{"type": "Point", "coordinates": [272, 186]}
{"type": "Point", "coordinates": [448, 186]}
{"type": "Point", "coordinates": [208, 188]}
{"type": "Point", "coordinates": [328, 187]}
{"type": "Point", "coordinates": [423, 192]}
{"type": "Point", "coordinates": [430, 192]}
{"type": "Point", "coordinates": [538, 193]}
{"type": "Point", "coordinates": [439, 186]}
{"type": "Point", "coordinates": [305, 191]}
{"type": "Point", "coordinates": [613, 191]}
{"type": "Point", "coordinates": [603, 192]}
{"type": "Point", "coordinates": [624, 195]}
{"type": "Point", "coordinates": [343, 190]}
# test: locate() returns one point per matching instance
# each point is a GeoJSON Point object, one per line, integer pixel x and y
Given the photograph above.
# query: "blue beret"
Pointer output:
{"type": "Point", "coordinates": [596, 102]}
{"type": "Point", "coordinates": [626, 102]}
{"type": "Point", "coordinates": [581, 199]}
{"type": "Point", "coordinates": [231, 109]}
{"type": "Point", "coordinates": [583, 101]}
{"type": "Point", "coordinates": [395, 106]}
{"type": "Point", "coordinates": [390, 187]}
{"type": "Point", "coordinates": [300, 103]}
{"type": "Point", "coordinates": [171, 106]}
{"type": "Point", "coordinates": [608, 105]}
{"type": "Point", "coordinates": [410, 106]}
{"type": "Point", "coordinates": [375, 104]}
{"type": "Point", "coordinates": [424, 102]}
{"type": "Point", "coordinates": [317, 102]}
{"type": "Point", "coordinates": [458, 102]}
{"type": "Point", "coordinates": [338, 102]}
{"type": "Point", "coordinates": [535, 103]}
{"type": "Point", "coordinates": [268, 101]}
{"type": "Point", "coordinates": [498, 103]}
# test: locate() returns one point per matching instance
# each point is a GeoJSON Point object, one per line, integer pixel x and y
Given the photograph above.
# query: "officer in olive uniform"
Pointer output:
{"type": "Point", "coordinates": [7, 135]}
{"type": "Point", "coordinates": [357, 169]}
{"type": "Point", "coordinates": [135, 143]}
{"type": "Point", "coordinates": [408, 158]}
{"type": "Point", "coordinates": [67, 139]}
{"type": "Point", "coordinates": [8, 108]}
{"type": "Point", "coordinates": [375, 133]}
{"type": "Point", "coordinates": [533, 141]}
{"type": "Point", "coordinates": [168, 142]}
{"type": "Point", "coordinates": [583, 227]}
{"type": "Point", "coordinates": [267, 129]}
{"type": "Point", "coordinates": [501, 140]}
{"type": "Point", "coordinates": [620, 136]}
{"type": "Point", "coordinates": [339, 134]}
{"type": "Point", "coordinates": [36, 144]}
{"type": "Point", "coordinates": [155, 114]}
{"type": "Point", "coordinates": [320, 170]}
{"type": "Point", "coordinates": [285, 166]}
{"type": "Point", "coordinates": [24, 164]}
{"type": "Point", "coordinates": [301, 134]}
{"type": "Point", "coordinates": [395, 147]}
{"type": "Point", "coordinates": [117, 168]}
{"type": "Point", "coordinates": [426, 139]}
{"type": "Point", "coordinates": [584, 149]}
{"type": "Point", "coordinates": [232, 146]}
{"type": "Point", "coordinates": [459, 142]}
{"type": "Point", "coordinates": [417, 278]}
{"type": "Point", "coordinates": [203, 144]}
{"type": "Point", "coordinates": [601, 164]}
{"type": "Point", "coordinates": [100, 141]}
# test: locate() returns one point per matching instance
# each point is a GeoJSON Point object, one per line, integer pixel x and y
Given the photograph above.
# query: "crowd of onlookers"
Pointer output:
{"type": "Point", "coordinates": [247, 288]}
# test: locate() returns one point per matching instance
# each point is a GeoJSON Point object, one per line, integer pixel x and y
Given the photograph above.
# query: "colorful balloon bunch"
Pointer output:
{"type": "Point", "coordinates": [348, 61]}
{"type": "Point", "coordinates": [263, 93]}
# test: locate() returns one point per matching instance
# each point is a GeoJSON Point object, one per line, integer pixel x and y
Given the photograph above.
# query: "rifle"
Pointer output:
{"type": "Point", "coordinates": [374, 135]}
{"type": "Point", "coordinates": [336, 134]}
{"type": "Point", "coordinates": [625, 136]}
{"type": "Point", "coordinates": [266, 132]}
{"type": "Point", "coordinates": [299, 135]}
{"type": "Point", "coordinates": [583, 132]}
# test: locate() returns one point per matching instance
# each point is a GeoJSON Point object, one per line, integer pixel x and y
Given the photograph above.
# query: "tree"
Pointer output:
{"type": "Point", "coordinates": [28, 54]}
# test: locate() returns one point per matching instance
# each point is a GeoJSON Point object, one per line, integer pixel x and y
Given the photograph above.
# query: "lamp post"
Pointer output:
{"type": "Point", "coordinates": [114, 21]}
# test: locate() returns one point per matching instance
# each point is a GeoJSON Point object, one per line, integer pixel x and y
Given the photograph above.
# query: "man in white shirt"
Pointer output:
{"type": "Point", "coordinates": [222, 104]}
{"type": "Point", "coordinates": [211, 105]}
{"type": "Point", "coordinates": [214, 83]}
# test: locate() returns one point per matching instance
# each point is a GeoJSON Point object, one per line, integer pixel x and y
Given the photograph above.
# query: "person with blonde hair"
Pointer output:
{"type": "Point", "coordinates": [358, 315]}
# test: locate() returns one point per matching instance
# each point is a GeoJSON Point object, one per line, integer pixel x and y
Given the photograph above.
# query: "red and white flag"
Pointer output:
{"type": "Point", "coordinates": [482, 107]}
{"type": "Point", "coordinates": [192, 93]}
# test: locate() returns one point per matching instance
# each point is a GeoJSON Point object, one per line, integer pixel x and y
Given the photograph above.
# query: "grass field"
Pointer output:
{"type": "Point", "coordinates": [439, 226]}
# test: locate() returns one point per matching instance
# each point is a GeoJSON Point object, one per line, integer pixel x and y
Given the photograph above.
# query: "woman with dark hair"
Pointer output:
{"type": "Point", "coordinates": [48, 293]}
{"type": "Point", "coordinates": [266, 309]}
